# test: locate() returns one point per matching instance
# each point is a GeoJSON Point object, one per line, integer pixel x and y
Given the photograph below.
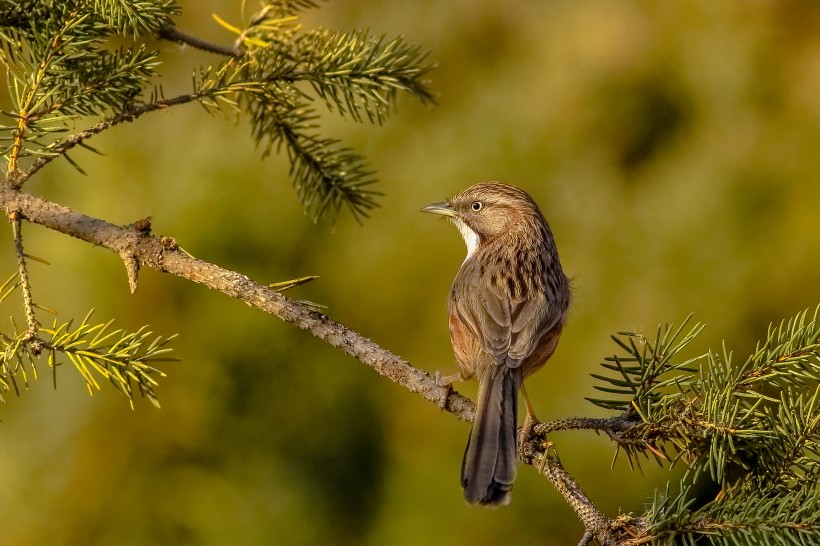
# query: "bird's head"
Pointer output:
{"type": "Point", "coordinates": [488, 210]}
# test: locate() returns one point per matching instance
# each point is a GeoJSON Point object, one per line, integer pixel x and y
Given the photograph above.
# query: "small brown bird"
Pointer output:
{"type": "Point", "coordinates": [507, 307]}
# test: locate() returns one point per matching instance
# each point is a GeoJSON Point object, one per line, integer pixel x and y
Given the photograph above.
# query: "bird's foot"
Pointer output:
{"type": "Point", "coordinates": [445, 383]}
{"type": "Point", "coordinates": [525, 433]}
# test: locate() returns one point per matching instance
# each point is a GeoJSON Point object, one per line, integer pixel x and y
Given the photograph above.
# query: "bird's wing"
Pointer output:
{"type": "Point", "coordinates": [531, 319]}
{"type": "Point", "coordinates": [507, 328]}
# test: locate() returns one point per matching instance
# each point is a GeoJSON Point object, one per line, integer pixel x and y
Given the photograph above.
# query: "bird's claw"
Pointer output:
{"type": "Point", "coordinates": [525, 433]}
{"type": "Point", "coordinates": [445, 385]}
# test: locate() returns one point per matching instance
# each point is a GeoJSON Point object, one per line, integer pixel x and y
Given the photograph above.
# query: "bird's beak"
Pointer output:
{"type": "Point", "coordinates": [443, 208]}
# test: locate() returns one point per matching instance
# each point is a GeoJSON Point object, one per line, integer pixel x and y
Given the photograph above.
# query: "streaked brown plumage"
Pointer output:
{"type": "Point", "coordinates": [507, 307]}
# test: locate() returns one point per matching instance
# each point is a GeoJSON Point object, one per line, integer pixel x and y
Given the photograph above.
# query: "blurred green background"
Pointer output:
{"type": "Point", "coordinates": [674, 147]}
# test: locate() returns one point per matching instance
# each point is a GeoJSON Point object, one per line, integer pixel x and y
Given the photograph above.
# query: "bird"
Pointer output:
{"type": "Point", "coordinates": [506, 309]}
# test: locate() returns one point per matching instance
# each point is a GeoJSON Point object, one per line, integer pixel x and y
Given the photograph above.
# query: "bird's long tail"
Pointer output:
{"type": "Point", "coordinates": [488, 468]}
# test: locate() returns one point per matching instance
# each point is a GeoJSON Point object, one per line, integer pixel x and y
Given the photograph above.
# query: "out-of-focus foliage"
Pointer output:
{"type": "Point", "coordinates": [672, 147]}
{"type": "Point", "coordinates": [125, 359]}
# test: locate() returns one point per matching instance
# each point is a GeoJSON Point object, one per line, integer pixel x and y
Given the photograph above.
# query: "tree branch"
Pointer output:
{"type": "Point", "coordinates": [134, 244]}
{"type": "Point", "coordinates": [163, 254]}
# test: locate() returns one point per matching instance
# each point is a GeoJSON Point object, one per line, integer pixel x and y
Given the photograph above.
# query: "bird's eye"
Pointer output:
{"type": "Point", "coordinates": [477, 205]}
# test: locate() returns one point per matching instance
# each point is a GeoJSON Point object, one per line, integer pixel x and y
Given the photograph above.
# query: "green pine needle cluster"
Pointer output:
{"type": "Point", "coordinates": [355, 74]}
{"type": "Point", "coordinates": [752, 427]}
{"type": "Point", "coordinates": [125, 359]}
{"type": "Point", "coordinates": [70, 60]}
{"type": "Point", "coordinates": [749, 517]}
{"type": "Point", "coordinates": [97, 352]}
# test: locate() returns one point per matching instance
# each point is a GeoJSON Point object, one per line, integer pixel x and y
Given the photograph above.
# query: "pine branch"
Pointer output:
{"type": "Point", "coordinates": [163, 254]}
{"type": "Point", "coordinates": [358, 74]}
{"type": "Point", "coordinates": [354, 73]}
{"type": "Point", "coordinates": [61, 69]}
{"type": "Point", "coordinates": [723, 419]}
{"type": "Point", "coordinates": [744, 517]}
{"type": "Point", "coordinates": [326, 175]}
{"type": "Point", "coordinates": [290, 7]}
{"type": "Point", "coordinates": [136, 17]}
{"type": "Point", "coordinates": [610, 425]}
{"type": "Point", "coordinates": [536, 453]}
{"type": "Point", "coordinates": [124, 359]}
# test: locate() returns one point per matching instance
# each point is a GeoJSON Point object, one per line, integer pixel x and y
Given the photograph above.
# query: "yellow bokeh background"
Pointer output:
{"type": "Point", "coordinates": [673, 146]}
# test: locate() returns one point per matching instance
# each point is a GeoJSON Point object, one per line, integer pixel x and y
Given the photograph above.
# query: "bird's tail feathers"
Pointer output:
{"type": "Point", "coordinates": [489, 465]}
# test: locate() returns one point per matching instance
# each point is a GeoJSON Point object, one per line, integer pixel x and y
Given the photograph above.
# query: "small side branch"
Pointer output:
{"type": "Point", "coordinates": [132, 269]}
{"type": "Point", "coordinates": [612, 426]}
{"type": "Point", "coordinates": [175, 35]}
{"type": "Point", "coordinates": [129, 114]}
{"type": "Point", "coordinates": [25, 285]}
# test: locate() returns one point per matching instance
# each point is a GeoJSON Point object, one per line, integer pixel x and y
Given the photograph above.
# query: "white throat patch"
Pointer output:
{"type": "Point", "coordinates": [470, 237]}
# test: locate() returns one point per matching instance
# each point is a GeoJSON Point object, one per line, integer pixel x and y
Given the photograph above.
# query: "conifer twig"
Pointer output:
{"type": "Point", "coordinates": [172, 33]}
{"type": "Point", "coordinates": [25, 285]}
{"type": "Point", "coordinates": [613, 426]}
{"type": "Point", "coordinates": [130, 114]}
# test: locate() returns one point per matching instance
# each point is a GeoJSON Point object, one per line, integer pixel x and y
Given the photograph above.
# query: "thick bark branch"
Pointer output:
{"type": "Point", "coordinates": [134, 245]}
{"type": "Point", "coordinates": [163, 254]}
